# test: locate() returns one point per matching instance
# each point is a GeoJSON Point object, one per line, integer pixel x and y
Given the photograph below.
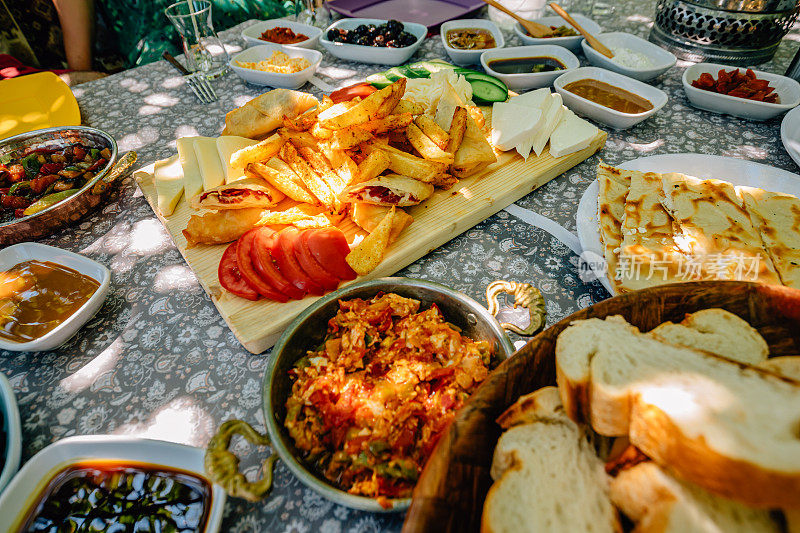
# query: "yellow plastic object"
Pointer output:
{"type": "Point", "coordinates": [36, 101]}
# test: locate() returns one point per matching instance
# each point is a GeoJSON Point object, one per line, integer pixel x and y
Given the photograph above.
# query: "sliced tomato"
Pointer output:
{"type": "Point", "coordinates": [243, 259]}
{"type": "Point", "coordinates": [261, 256]}
{"type": "Point", "coordinates": [346, 94]}
{"type": "Point", "coordinates": [308, 263]}
{"type": "Point", "coordinates": [283, 253]}
{"type": "Point", "coordinates": [230, 278]}
{"type": "Point", "coordinates": [329, 247]}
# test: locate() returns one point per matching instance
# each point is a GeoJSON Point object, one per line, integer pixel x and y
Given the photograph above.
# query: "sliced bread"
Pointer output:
{"type": "Point", "coordinates": [716, 331]}
{"type": "Point", "coordinates": [658, 503]}
{"type": "Point", "coordinates": [726, 426]}
{"type": "Point", "coordinates": [548, 479]}
{"type": "Point", "coordinates": [787, 366]}
{"type": "Point", "coordinates": [542, 404]}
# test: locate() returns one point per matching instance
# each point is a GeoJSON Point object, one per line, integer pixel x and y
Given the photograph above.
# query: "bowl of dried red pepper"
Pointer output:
{"type": "Point", "coordinates": [745, 93]}
{"type": "Point", "coordinates": [52, 177]}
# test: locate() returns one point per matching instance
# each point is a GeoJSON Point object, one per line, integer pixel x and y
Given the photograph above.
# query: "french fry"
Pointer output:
{"type": "Point", "coordinates": [407, 164]}
{"type": "Point", "coordinates": [310, 179]}
{"type": "Point", "coordinates": [372, 166]}
{"type": "Point", "coordinates": [261, 151]}
{"type": "Point", "coordinates": [387, 123]}
{"type": "Point", "coordinates": [432, 130]}
{"type": "Point", "coordinates": [321, 133]}
{"type": "Point", "coordinates": [297, 138]}
{"type": "Point", "coordinates": [365, 257]}
{"type": "Point", "coordinates": [457, 128]}
{"type": "Point", "coordinates": [477, 115]}
{"type": "Point", "coordinates": [474, 152]}
{"type": "Point", "coordinates": [445, 181]}
{"type": "Point", "coordinates": [342, 163]}
{"type": "Point", "coordinates": [325, 103]}
{"type": "Point", "coordinates": [322, 167]}
{"type": "Point", "coordinates": [407, 106]}
{"type": "Point", "coordinates": [377, 105]}
{"type": "Point", "coordinates": [368, 216]}
{"type": "Point", "coordinates": [283, 178]}
{"type": "Point", "coordinates": [426, 147]}
{"type": "Point", "coordinates": [303, 122]}
{"type": "Point", "coordinates": [346, 138]}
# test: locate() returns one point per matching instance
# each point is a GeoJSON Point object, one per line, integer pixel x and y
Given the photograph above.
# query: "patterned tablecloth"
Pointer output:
{"type": "Point", "coordinates": [159, 361]}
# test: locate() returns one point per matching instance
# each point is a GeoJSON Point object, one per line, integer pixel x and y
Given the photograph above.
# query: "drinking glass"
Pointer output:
{"type": "Point", "coordinates": [313, 12]}
{"type": "Point", "coordinates": [201, 46]}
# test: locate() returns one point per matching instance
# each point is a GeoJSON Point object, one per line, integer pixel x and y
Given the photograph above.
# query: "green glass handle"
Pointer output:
{"type": "Point", "coordinates": [222, 466]}
{"type": "Point", "coordinates": [525, 295]}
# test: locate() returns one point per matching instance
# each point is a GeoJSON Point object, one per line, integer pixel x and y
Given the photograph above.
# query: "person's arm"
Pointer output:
{"type": "Point", "coordinates": [77, 24]}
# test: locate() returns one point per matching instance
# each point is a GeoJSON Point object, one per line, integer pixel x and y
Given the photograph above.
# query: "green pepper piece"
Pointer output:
{"type": "Point", "coordinates": [19, 185]}
{"type": "Point", "coordinates": [378, 446]}
{"type": "Point", "coordinates": [31, 164]}
{"type": "Point", "coordinates": [94, 153]}
{"type": "Point", "coordinates": [47, 201]}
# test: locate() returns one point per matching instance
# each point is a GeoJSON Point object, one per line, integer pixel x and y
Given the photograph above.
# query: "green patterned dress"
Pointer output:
{"type": "Point", "coordinates": [141, 31]}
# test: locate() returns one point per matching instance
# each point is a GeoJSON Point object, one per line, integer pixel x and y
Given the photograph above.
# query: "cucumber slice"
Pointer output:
{"type": "Point", "coordinates": [485, 92]}
{"type": "Point", "coordinates": [479, 76]}
{"type": "Point", "coordinates": [434, 66]}
{"type": "Point", "coordinates": [418, 70]}
{"type": "Point", "coordinates": [465, 71]}
{"type": "Point", "coordinates": [379, 80]}
{"type": "Point", "coordinates": [406, 70]}
{"type": "Point", "coordinates": [394, 74]}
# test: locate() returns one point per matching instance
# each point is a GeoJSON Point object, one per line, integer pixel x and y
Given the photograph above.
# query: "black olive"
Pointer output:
{"type": "Point", "coordinates": [379, 40]}
{"type": "Point", "coordinates": [362, 29]}
{"type": "Point", "coordinates": [393, 44]}
{"type": "Point", "coordinates": [407, 39]}
{"type": "Point", "coordinates": [332, 34]}
{"type": "Point", "coordinates": [363, 40]}
{"type": "Point", "coordinates": [395, 26]}
{"type": "Point", "coordinates": [372, 30]}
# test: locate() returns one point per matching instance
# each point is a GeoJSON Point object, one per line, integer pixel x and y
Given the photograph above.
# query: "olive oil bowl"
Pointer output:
{"type": "Point", "coordinates": [79, 464]}
{"type": "Point", "coordinates": [529, 67]}
{"type": "Point", "coordinates": [69, 325]}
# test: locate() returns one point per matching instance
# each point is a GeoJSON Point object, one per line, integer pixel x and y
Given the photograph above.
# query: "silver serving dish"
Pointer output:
{"type": "Point", "coordinates": [76, 206]}
{"type": "Point", "coordinates": [308, 330]}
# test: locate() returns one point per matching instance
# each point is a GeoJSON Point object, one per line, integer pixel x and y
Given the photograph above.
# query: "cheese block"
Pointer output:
{"type": "Point", "coordinates": [205, 148]}
{"type": "Point", "coordinates": [550, 122]}
{"type": "Point", "coordinates": [168, 178]}
{"type": "Point", "coordinates": [572, 134]}
{"type": "Point", "coordinates": [226, 146]}
{"type": "Point", "coordinates": [512, 124]}
{"type": "Point", "coordinates": [535, 98]}
{"type": "Point", "coordinates": [192, 180]}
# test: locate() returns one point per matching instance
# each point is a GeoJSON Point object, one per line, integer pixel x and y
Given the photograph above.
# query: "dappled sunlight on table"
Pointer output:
{"type": "Point", "coordinates": [647, 147]}
{"type": "Point", "coordinates": [181, 421]}
{"type": "Point", "coordinates": [91, 371]}
{"type": "Point", "coordinates": [174, 277]}
{"type": "Point", "coordinates": [747, 151]}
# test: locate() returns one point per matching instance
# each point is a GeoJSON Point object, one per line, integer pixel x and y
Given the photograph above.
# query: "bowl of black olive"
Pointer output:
{"type": "Point", "coordinates": [385, 42]}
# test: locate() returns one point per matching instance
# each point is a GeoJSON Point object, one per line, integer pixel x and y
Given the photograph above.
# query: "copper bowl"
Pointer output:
{"type": "Point", "coordinates": [76, 206]}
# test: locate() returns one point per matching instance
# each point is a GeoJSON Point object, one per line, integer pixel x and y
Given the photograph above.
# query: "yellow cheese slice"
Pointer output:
{"type": "Point", "coordinates": [168, 177]}
{"type": "Point", "coordinates": [226, 146]}
{"type": "Point", "coordinates": [192, 180]}
{"type": "Point", "coordinates": [205, 148]}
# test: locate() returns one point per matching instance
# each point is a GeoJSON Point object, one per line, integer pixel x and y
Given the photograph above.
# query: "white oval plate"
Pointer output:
{"type": "Point", "coordinates": [13, 430]}
{"type": "Point", "coordinates": [790, 133]}
{"type": "Point", "coordinates": [36, 473]}
{"type": "Point", "coordinates": [735, 171]}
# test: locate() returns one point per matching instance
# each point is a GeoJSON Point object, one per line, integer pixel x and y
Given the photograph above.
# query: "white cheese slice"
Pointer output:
{"type": "Point", "coordinates": [549, 123]}
{"type": "Point", "coordinates": [226, 146]}
{"type": "Point", "coordinates": [512, 124]}
{"type": "Point", "coordinates": [531, 99]}
{"type": "Point", "coordinates": [205, 148]}
{"type": "Point", "coordinates": [192, 180]}
{"type": "Point", "coordinates": [168, 178]}
{"type": "Point", "coordinates": [546, 104]}
{"type": "Point", "coordinates": [572, 134]}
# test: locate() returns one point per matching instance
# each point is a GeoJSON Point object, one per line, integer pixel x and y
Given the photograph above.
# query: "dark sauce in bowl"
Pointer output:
{"type": "Point", "coordinates": [526, 65]}
{"type": "Point", "coordinates": [120, 496]}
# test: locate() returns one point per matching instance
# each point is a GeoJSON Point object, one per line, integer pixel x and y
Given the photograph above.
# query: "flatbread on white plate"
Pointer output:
{"type": "Point", "coordinates": [648, 255]}
{"type": "Point", "coordinates": [613, 188]}
{"type": "Point", "coordinates": [713, 229]}
{"type": "Point", "coordinates": [777, 218]}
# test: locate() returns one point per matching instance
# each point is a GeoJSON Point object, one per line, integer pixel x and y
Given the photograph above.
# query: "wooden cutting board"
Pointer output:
{"type": "Point", "coordinates": [446, 214]}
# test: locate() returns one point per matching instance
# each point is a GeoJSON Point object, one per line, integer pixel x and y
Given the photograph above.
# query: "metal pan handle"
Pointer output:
{"type": "Point", "coordinates": [222, 466]}
{"type": "Point", "coordinates": [121, 167]}
{"type": "Point", "coordinates": [525, 295]}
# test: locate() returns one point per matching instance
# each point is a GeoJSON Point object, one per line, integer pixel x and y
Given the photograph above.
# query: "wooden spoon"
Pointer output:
{"type": "Point", "coordinates": [534, 28]}
{"type": "Point", "coordinates": [593, 41]}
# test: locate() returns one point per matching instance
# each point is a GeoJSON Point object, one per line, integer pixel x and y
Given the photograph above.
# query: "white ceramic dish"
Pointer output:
{"type": "Point", "coordinates": [372, 54]}
{"type": "Point", "coordinates": [661, 60]}
{"type": "Point", "coordinates": [470, 57]}
{"type": "Point", "coordinates": [26, 251]}
{"type": "Point", "coordinates": [275, 79]}
{"type": "Point", "coordinates": [11, 426]}
{"type": "Point", "coordinates": [790, 133]}
{"type": "Point", "coordinates": [535, 80]}
{"type": "Point", "coordinates": [36, 473]}
{"type": "Point", "coordinates": [252, 33]}
{"type": "Point", "coordinates": [603, 114]}
{"type": "Point", "coordinates": [572, 43]}
{"type": "Point", "coordinates": [788, 93]}
{"type": "Point", "coordinates": [736, 171]}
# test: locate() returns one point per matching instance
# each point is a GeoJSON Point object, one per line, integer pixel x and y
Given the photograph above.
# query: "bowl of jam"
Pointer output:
{"type": "Point", "coordinates": [46, 295]}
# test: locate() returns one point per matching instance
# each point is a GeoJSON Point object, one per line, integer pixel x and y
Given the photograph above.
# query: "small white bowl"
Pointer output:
{"type": "Point", "coordinates": [251, 34]}
{"type": "Point", "coordinates": [29, 481]}
{"type": "Point", "coordinates": [535, 79]}
{"type": "Point", "coordinates": [572, 43]}
{"type": "Point", "coordinates": [26, 251]}
{"type": "Point", "coordinates": [372, 54]}
{"type": "Point", "coordinates": [788, 93]}
{"type": "Point", "coordinates": [470, 57]}
{"type": "Point", "coordinates": [661, 60]}
{"type": "Point", "coordinates": [9, 414]}
{"type": "Point", "coordinates": [262, 52]}
{"type": "Point", "coordinates": [603, 114]}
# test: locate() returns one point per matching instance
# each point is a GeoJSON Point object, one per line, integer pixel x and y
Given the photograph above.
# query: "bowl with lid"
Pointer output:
{"type": "Point", "coordinates": [633, 56]}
